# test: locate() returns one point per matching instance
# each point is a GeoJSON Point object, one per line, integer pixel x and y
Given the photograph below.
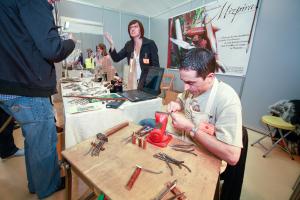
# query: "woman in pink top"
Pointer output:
{"type": "Point", "coordinates": [104, 63]}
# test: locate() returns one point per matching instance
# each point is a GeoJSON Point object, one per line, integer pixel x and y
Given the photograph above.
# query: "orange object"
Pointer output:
{"type": "Point", "coordinates": [144, 144]}
{"type": "Point", "coordinates": [133, 177]}
{"type": "Point", "coordinates": [140, 142]}
{"type": "Point", "coordinates": [133, 139]}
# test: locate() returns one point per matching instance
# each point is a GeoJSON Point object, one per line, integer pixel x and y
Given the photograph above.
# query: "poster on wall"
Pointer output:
{"type": "Point", "coordinates": [226, 27]}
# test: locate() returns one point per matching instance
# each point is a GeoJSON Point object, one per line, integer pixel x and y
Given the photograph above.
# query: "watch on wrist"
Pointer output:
{"type": "Point", "coordinates": [193, 132]}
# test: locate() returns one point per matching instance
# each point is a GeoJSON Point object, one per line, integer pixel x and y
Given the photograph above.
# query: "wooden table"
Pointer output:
{"type": "Point", "coordinates": [109, 172]}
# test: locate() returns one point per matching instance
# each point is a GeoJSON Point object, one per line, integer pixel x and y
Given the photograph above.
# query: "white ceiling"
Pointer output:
{"type": "Point", "coordinates": [149, 8]}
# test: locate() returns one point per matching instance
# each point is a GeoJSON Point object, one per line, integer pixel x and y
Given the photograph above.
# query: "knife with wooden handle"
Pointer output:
{"type": "Point", "coordinates": [133, 177]}
{"type": "Point", "coordinates": [168, 189]}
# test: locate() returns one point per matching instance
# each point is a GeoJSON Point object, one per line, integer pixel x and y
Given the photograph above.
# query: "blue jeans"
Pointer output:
{"type": "Point", "coordinates": [35, 115]}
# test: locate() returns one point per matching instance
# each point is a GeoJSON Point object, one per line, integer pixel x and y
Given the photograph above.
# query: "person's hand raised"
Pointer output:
{"type": "Point", "coordinates": [108, 37]}
{"type": "Point", "coordinates": [71, 36]}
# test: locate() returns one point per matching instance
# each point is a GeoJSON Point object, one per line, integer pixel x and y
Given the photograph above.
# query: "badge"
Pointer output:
{"type": "Point", "coordinates": [146, 60]}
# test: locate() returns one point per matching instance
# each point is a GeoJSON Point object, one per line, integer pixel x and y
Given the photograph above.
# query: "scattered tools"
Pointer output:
{"type": "Point", "coordinates": [182, 145]}
{"type": "Point", "coordinates": [97, 145]}
{"type": "Point", "coordinates": [98, 98]}
{"type": "Point", "coordinates": [179, 195]}
{"type": "Point", "coordinates": [168, 189]}
{"type": "Point", "coordinates": [128, 139]}
{"type": "Point", "coordinates": [101, 139]}
{"type": "Point", "coordinates": [169, 160]}
{"type": "Point", "coordinates": [138, 137]}
{"type": "Point", "coordinates": [150, 171]}
{"type": "Point", "coordinates": [136, 174]}
{"type": "Point", "coordinates": [140, 141]}
{"type": "Point", "coordinates": [142, 132]}
{"type": "Point", "coordinates": [186, 148]}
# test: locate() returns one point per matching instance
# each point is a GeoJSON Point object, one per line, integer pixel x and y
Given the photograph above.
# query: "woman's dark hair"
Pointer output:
{"type": "Point", "coordinates": [103, 48]}
{"type": "Point", "coordinates": [201, 60]}
{"type": "Point", "coordinates": [141, 27]}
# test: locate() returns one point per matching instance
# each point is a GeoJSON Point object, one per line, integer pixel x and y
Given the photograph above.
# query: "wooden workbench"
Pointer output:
{"type": "Point", "coordinates": [109, 172]}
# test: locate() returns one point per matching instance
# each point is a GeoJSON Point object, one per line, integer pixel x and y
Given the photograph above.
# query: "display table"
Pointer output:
{"type": "Point", "coordinates": [109, 172]}
{"type": "Point", "coordinates": [84, 121]}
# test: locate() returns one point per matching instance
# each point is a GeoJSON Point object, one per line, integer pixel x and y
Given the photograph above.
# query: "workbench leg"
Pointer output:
{"type": "Point", "coordinates": [68, 172]}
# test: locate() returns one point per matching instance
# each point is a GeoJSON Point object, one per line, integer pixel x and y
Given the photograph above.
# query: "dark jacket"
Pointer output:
{"type": "Point", "coordinates": [148, 51]}
{"type": "Point", "coordinates": [29, 45]}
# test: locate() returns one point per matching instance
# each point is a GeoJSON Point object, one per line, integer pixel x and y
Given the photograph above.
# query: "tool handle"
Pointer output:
{"type": "Point", "coordinates": [116, 128]}
{"type": "Point", "coordinates": [98, 98]}
{"type": "Point", "coordinates": [133, 178]}
{"type": "Point", "coordinates": [176, 191]}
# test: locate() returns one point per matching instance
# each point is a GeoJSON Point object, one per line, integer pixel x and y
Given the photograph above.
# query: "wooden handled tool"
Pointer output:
{"type": "Point", "coordinates": [168, 189]}
{"type": "Point", "coordinates": [177, 192]}
{"type": "Point", "coordinates": [133, 177]}
{"type": "Point", "coordinates": [98, 98]}
{"type": "Point", "coordinates": [116, 128]}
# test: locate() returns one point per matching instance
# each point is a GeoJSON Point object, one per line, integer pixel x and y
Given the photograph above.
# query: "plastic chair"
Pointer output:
{"type": "Point", "coordinates": [277, 123]}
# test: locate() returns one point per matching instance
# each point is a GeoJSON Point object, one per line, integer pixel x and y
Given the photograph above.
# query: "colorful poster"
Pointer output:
{"type": "Point", "coordinates": [224, 27]}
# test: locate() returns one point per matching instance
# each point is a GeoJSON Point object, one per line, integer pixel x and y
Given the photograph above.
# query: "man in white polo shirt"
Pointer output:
{"type": "Point", "coordinates": [212, 108]}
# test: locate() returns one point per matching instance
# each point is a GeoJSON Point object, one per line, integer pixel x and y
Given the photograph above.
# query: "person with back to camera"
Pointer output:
{"type": "Point", "coordinates": [29, 46]}
{"type": "Point", "coordinates": [140, 50]}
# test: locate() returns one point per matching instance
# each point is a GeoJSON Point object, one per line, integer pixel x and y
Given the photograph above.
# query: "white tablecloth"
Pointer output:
{"type": "Point", "coordinates": [80, 126]}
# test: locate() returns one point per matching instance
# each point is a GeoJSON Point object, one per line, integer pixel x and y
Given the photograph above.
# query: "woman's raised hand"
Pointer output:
{"type": "Point", "coordinates": [108, 37]}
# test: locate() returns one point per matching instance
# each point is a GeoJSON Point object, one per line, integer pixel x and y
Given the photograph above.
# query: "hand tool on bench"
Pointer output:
{"type": "Point", "coordinates": [133, 177]}
{"type": "Point", "coordinates": [168, 189]}
{"type": "Point", "coordinates": [97, 145]}
{"type": "Point", "coordinates": [136, 174]}
{"type": "Point", "coordinates": [115, 129]}
{"type": "Point", "coordinates": [168, 160]}
{"type": "Point", "coordinates": [186, 148]}
{"type": "Point", "coordinates": [98, 98]}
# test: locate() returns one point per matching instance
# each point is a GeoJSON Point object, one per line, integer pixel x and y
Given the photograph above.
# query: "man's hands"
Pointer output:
{"type": "Point", "coordinates": [173, 106]}
{"type": "Point", "coordinates": [108, 37]}
{"type": "Point", "coordinates": [179, 121]}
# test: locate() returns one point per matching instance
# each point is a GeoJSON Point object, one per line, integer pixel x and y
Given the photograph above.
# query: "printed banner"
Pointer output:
{"type": "Point", "coordinates": [224, 27]}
